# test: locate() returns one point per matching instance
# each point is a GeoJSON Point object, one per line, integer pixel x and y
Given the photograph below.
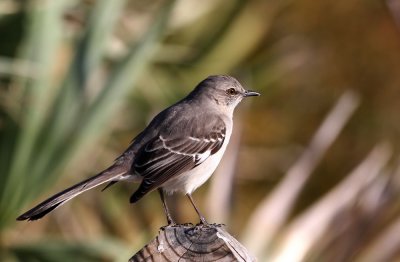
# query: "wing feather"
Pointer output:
{"type": "Point", "coordinates": [167, 156]}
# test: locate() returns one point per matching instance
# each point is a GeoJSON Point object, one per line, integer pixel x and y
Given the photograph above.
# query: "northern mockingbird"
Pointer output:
{"type": "Point", "coordinates": [178, 151]}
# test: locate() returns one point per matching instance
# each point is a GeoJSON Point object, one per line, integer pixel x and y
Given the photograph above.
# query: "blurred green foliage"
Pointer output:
{"type": "Point", "coordinates": [79, 79]}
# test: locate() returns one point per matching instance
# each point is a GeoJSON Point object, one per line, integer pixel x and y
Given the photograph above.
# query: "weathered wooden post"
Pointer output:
{"type": "Point", "coordinates": [193, 243]}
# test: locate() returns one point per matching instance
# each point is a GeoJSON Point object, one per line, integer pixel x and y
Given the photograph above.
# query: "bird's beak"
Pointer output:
{"type": "Point", "coordinates": [250, 93]}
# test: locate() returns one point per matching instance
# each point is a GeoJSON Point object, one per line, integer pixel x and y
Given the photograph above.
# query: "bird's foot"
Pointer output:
{"type": "Point", "coordinates": [203, 221]}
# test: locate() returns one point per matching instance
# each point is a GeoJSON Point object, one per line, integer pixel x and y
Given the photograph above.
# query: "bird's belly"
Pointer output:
{"type": "Point", "coordinates": [189, 181]}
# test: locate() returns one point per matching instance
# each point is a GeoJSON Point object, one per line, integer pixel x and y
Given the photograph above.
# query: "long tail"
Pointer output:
{"type": "Point", "coordinates": [110, 174]}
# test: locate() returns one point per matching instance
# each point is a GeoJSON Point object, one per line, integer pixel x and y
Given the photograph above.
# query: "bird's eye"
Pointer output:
{"type": "Point", "coordinates": [231, 91]}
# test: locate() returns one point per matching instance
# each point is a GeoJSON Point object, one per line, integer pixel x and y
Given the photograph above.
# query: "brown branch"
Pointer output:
{"type": "Point", "coordinates": [193, 243]}
{"type": "Point", "coordinates": [310, 227]}
{"type": "Point", "coordinates": [273, 211]}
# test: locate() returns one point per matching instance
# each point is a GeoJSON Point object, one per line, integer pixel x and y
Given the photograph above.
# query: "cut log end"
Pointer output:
{"type": "Point", "coordinates": [193, 243]}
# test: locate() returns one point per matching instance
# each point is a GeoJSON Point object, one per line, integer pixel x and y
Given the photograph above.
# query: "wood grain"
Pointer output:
{"type": "Point", "coordinates": [193, 243]}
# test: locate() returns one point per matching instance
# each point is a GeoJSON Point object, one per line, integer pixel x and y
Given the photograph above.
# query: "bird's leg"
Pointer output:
{"type": "Point", "coordinates": [202, 219]}
{"type": "Point", "coordinates": [169, 218]}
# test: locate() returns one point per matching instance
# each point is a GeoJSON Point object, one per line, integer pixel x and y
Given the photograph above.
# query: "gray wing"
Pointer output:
{"type": "Point", "coordinates": [170, 154]}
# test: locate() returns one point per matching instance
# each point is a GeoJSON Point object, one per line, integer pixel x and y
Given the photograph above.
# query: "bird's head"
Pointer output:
{"type": "Point", "coordinates": [224, 91]}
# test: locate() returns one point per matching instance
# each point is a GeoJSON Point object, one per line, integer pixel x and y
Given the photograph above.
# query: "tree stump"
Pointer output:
{"type": "Point", "coordinates": [193, 243]}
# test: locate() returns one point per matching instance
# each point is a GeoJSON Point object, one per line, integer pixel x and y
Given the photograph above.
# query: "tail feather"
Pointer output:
{"type": "Point", "coordinates": [60, 198]}
{"type": "Point", "coordinates": [109, 184]}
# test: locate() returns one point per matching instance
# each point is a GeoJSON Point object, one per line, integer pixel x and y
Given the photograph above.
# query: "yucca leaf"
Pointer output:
{"type": "Point", "coordinates": [41, 44]}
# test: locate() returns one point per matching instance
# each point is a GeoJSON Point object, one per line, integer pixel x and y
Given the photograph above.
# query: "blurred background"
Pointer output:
{"type": "Point", "coordinates": [312, 172]}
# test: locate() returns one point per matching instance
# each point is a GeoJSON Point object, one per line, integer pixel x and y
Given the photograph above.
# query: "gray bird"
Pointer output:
{"type": "Point", "coordinates": [178, 151]}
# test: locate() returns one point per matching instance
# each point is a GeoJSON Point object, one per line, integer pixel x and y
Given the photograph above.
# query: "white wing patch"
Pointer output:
{"type": "Point", "coordinates": [197, 157]}
{"type": "Point", "coordinates": [200, 158]}
{"type": "Point", "coordinates": [207, 140]}
{"type": "Point", "coordinates": [174, 151]}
